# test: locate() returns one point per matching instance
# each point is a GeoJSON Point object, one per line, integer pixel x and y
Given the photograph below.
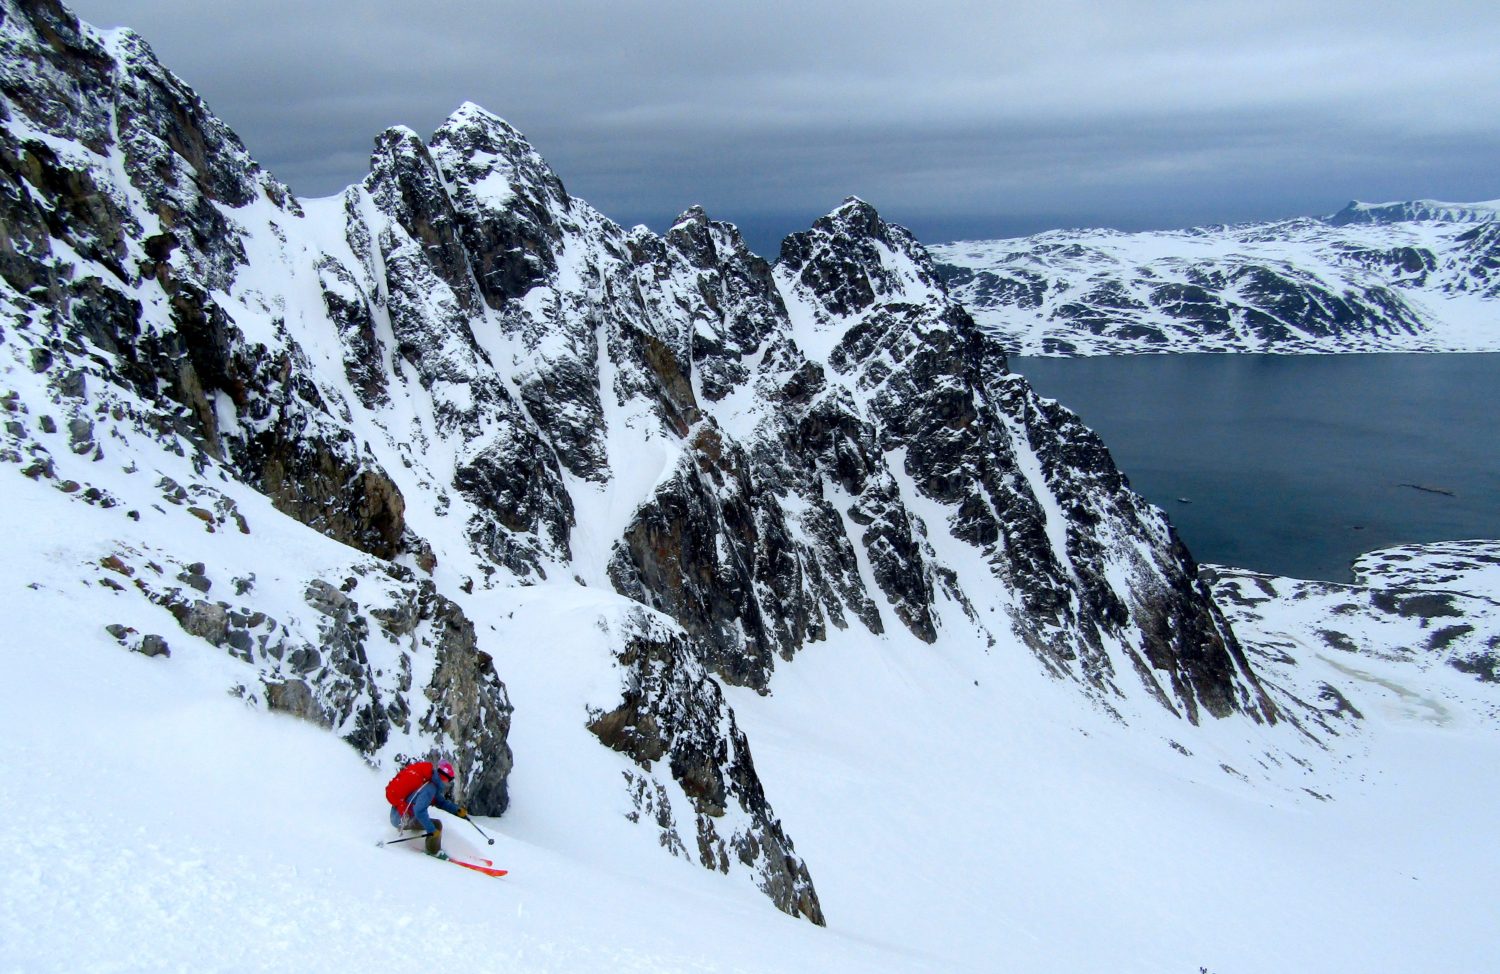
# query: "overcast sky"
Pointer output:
{"type": "Point", "coordinates": [958, 120]}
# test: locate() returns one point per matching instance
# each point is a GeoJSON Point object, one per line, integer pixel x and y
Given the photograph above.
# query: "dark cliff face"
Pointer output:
{"type": "Point", "coordinates": [712, 550]}
{"type": "Point", "coordinates": [739, 307]}
{"type": "Point", "coordinates": [174, 248]}
{"type": "Point", "coordinates": [1017, 477]}
{"type": "Point", "coordinates": [1481, 258]}
{"type": "Point", "coordinates": [513, 247]}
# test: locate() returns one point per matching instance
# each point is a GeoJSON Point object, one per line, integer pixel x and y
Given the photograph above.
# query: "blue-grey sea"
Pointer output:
{"type": "Point", "coordinates": [1295, 464]}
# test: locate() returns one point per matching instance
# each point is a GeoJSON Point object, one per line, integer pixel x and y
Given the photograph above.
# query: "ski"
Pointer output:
{"type": "Point", "coordinates": [486, 866]}
{"type": "Point", "coordinates": [487, 870]}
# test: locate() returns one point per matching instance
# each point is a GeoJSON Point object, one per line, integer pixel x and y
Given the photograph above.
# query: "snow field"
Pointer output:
{"type": "Point", "coordinates": [997, 837]}
{"type": "Point", "coordinates": [158, 823]}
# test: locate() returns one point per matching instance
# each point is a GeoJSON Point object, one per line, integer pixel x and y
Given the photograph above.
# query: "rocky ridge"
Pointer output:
{"type": "Point", "coordinates": [493, 386]}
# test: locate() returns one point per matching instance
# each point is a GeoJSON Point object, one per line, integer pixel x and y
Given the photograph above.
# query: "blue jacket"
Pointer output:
{"type": "Point", "coordinates": [425, 796]}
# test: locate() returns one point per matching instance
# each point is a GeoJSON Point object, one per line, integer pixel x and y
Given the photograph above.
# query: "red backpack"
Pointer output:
{"type": "Point", "coordinates": [406, 783]}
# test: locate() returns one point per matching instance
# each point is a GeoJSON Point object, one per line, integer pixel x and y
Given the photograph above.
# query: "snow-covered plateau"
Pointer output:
{"type": "Point", "coordinates": [1422, 276]}
{"type": "Point", "coordinates": [771, 622]}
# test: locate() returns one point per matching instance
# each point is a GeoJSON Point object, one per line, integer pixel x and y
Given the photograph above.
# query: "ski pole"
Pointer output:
{"type": "Point", "coordinates": [481, 831]}
{"type": "Point", "coordinates": [386, 842]}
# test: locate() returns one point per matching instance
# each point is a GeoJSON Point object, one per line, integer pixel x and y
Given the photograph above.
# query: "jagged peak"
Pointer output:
{"type": "Point", "coordinates": [473, 117]}
{"type": "Point", "coordinates": [855, 221]}
{"type": "Point", "coordinates": [396, 135]}
{"type": "Point", "coordinates": [695, 215]}
{"type": "Point", "coordinates": [399, 161]}
{"type": "Point", "coordinates": [694, 223]}
{"type": "Point", "coordinates": [481, 139]}
{"type": "Point", "coordinates": [479, 150]}
{"type": "Point", "coordinates": [855, 218]}
{"type": "Point", "coordinates": [852, 258]}
{"type": "Point", "coordinates": [397, 146]}
{"type": "Point", "coordinates": [854, 205]}
{"type": "Point", "coordinates": [852, 214]}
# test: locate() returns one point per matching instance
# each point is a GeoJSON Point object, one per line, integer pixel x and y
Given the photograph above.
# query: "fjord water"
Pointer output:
{"type": "Point", "coordinates": [1296, 464]}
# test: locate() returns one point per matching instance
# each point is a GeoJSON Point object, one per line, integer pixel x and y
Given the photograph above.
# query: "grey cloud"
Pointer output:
{"type": "Point", "coordinates": [950, 116]}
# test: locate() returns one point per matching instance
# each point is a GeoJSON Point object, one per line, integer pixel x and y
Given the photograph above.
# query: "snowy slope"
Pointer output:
{"type": "Point", "coordinates": [1374, 277]}
{"type": "Point", "coordinates": [169, 826]}
{"type": "Point", "coordinates": [193, 831]}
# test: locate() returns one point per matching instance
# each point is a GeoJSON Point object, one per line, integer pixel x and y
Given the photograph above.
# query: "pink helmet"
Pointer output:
{"type": "Point", "coordinates": [446, 770]}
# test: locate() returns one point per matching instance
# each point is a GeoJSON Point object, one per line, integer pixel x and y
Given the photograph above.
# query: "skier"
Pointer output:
{"type": "Point", "coordinates": [416, 787]}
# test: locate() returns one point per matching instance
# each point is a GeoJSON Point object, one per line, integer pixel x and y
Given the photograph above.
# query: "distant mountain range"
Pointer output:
{"type": "Point", "coordinates": [1407, 276]}
{"type": "Point", "coordinates": [1414, 210]}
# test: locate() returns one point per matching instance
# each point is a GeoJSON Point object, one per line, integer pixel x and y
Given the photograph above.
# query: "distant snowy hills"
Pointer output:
{"type": "Point", "coordinates": [1414, 211]}
{"type": "Point", "coordinates": [1419, 276]}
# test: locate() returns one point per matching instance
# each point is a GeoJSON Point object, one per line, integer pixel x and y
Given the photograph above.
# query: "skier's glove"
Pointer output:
{"type": "Point", "coordinates": [463, 812]}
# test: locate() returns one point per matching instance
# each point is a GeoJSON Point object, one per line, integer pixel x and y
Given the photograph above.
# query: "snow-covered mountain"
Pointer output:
{"type": "Point", "coordinates": [682, 556]}
{"type": "Point", "coordinates": [1413, 211]}
{"type": "Point", "coordinates": [1420, 276]}
{"type": "Point", "coordinates": [479, 382]}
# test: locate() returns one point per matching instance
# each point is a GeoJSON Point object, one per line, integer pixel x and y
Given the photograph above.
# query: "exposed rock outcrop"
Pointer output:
{"type": "Point", "coordinates": [152, 253]}
{"type": "Point", "coordinates": [673, 714]}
